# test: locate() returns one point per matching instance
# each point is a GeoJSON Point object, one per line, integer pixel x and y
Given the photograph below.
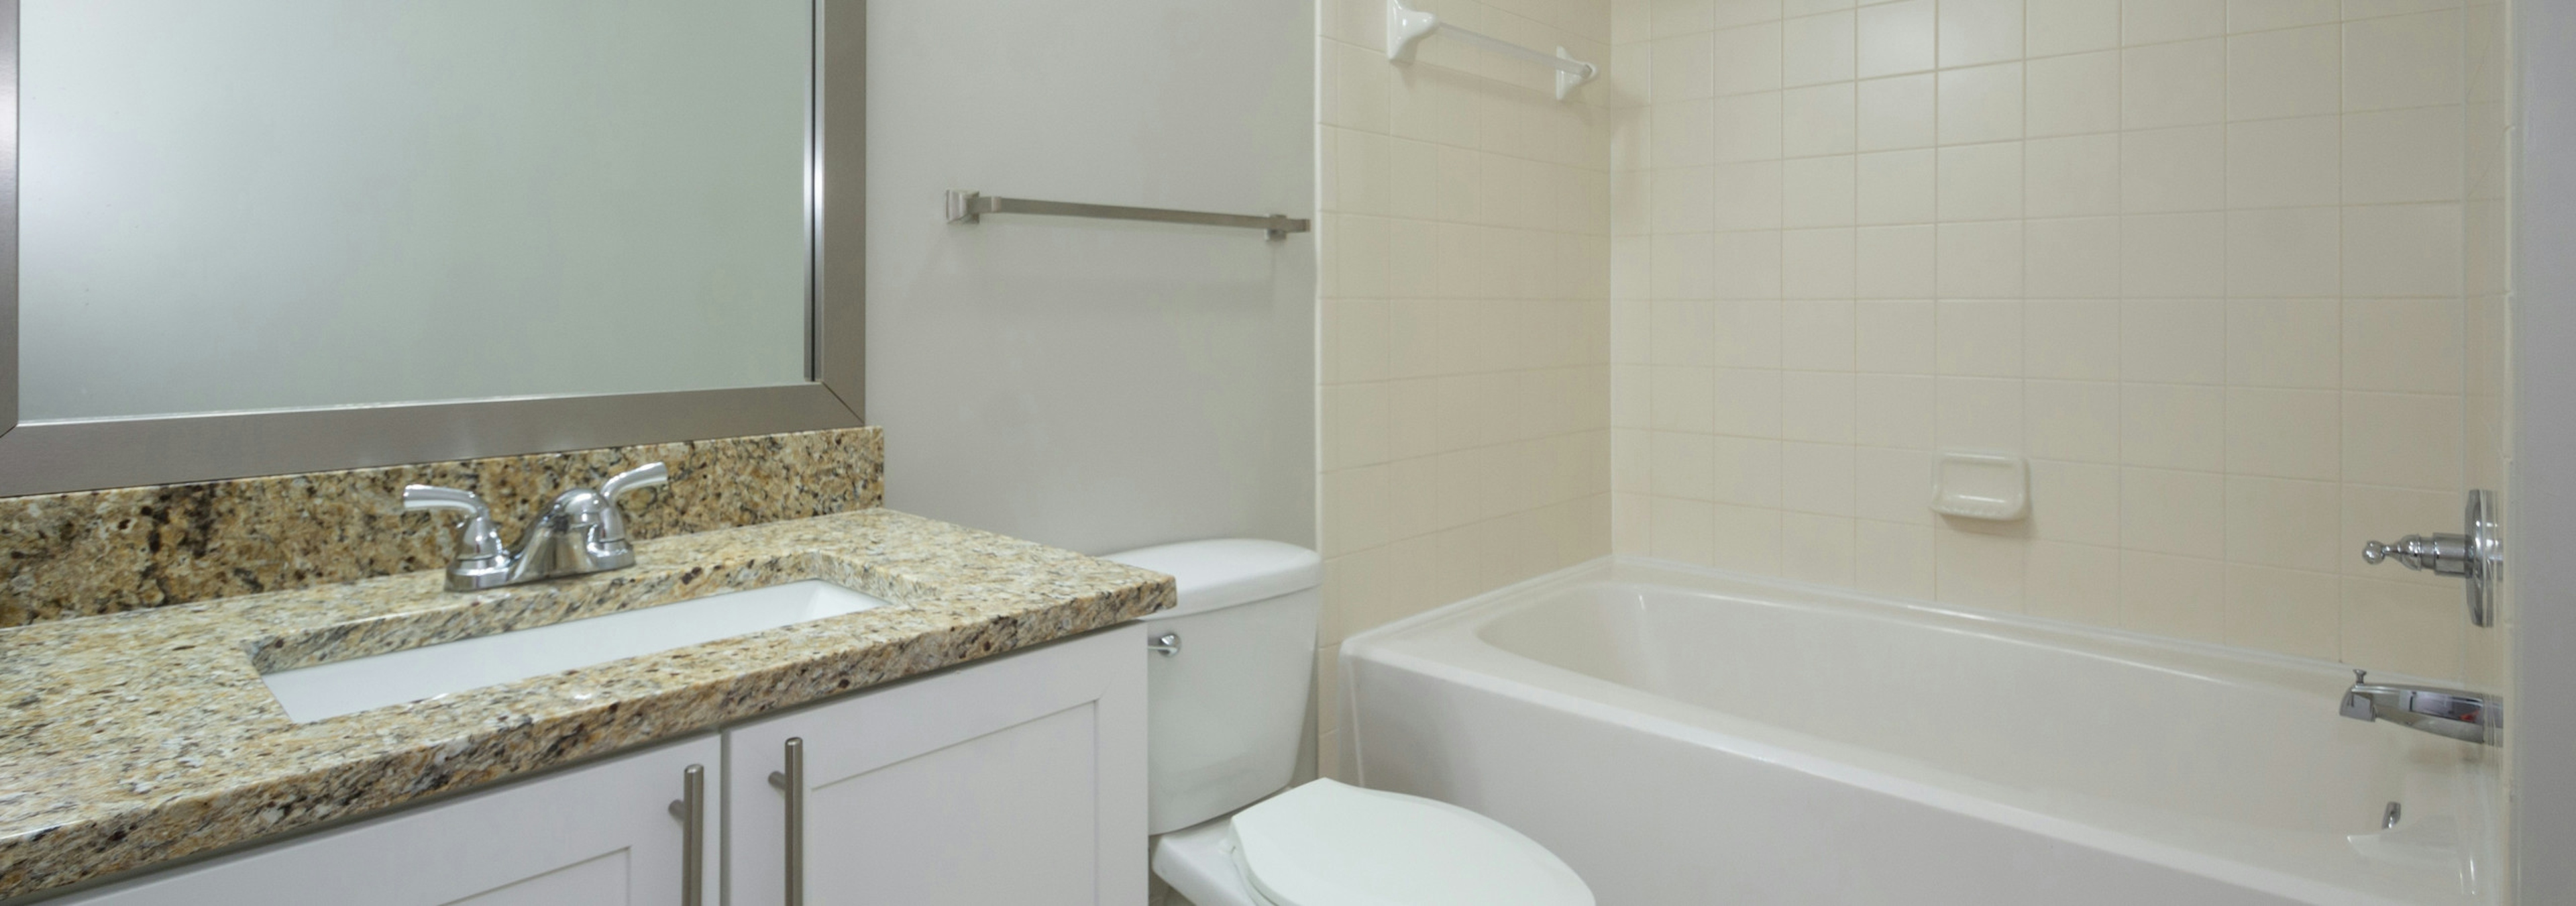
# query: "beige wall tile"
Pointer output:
{"type": "Point", "coordinates": [1748, 58]}
{"type": "Point", "coordinates": [1820, 119]}
{"type": "Point", "coordinates": [1896, 38]}
{"type": "Point", "coordinates": [1748, 471]}
{"type": "Point", "coordinates": [2283, 610]}
{"type": "Point", "coordinates": [2402, 440]}
{"type": "Point", "coordinates": [2066, 177]}
{"type": "Point", "coordinates": [1894, 410]}
{"type": "Point", "coordinates": [2280, 163]}
{"type": "Point", "coordinates": [1980, 182]}
{"type": "Point", "coordinates": [1896, 262]}
{"type": "Point", "coordinates": [2403, 628]}
{"type": "Point", "coordinates": [2072, 420]}
{"type": "Point", "coordinates": [2257, 15]}
{"type": "Point", "coordinates": [2284, 342]}
{"type": "Point", "coordinates": [2405, 345]}
{"type": "Point", "coordinates": [2173, 512]}
{"type": "Point", "coordinates": [1817, 407]}
{"type": "Point", "coordinates": [2173, 341]}
{"type": "Point", "coordinates": [1817, 548]}
{"type": "Point", "coordinates": [2292, 72]}
{"type": "Point", "coordinates": [1979, 31]}
{"type": "Point", "coordinates": [1817, 478]}
{"type": "Point", "coordinates": [2075, 502]}
{"type": "Point", "coordinates": [1747, 196]}
{"type": "Point", "coordinates": [2071, 339]}
{"type": "Point", "coordinates": [1979, 413]}
{"type": "Point", "coordinates": [1980, 104]}
{"type": "Point", "coordinates": [1979, 338]}
{"type": "Point", "coordinates": [2072, 257]}
{"type": "Point", "coordinates": [2402, 61]}
{"type": "Point", "coordinates": [2073, 95]}
{"type": "Point", "coordinates": [2284, 252]}
{"type": "Point", "coordinates": [1817, 192]}
{"type": "Point", "coordinates": [2180, 84]}
{"type": "Point", "coordinates": [2177, 169]}
{"type": "Point", "coordinates": [1977, 569]}
{"type": "Point", "coordinates": [2402, 155]}
{"type": "Point", "coordinates": [2284, 523]}
{"type": "Point", "coordinates": [2175, 596]}
{"type": "Point", "coordinates": [1979, 260]}
{"type": "Point", "coordinates": [1896, 112]}
{"type": "Point", "coordinates": [1818, 48]}
{"type": "Point", "coordinates": [2069, 26]}
{"type": "Point", "coordinates": [2284, 433]}
{"type": "Point", "coordinates": [1748, 127]}
{"type": "Point", "coordinates": [1817, 335]}
{"type": "Point", "coordinates": [1892, 559]}
{"type": "Point", "coordinates": [1896, 187]}
{"type": "Point", "coordinates": [2077, 582]}
{"type": "Point", "coordinates": [1748, 539]}
{"type": "Point", "coordinates": [1890, 485]}
{"type": "Point", "coordinates": [2151, 21]}
{"type": "Point", "coordinates": [2173, 255]}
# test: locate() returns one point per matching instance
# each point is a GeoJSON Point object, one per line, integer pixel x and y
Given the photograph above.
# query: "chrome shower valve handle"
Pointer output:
{"type": "Point", "coordinates": [2476, 556]}
{"type": "Point", "coordinates": [582, 531]}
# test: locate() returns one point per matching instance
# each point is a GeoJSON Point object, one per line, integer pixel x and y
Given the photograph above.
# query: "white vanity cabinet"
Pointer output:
{"type": "Point", "coordinates": [598, 835]}
{"type": "Point", "coordinates": [1015, 780]}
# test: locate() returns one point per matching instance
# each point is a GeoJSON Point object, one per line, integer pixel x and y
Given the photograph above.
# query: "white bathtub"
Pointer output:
{"type": "Point", "coordinates": [1685, 736]}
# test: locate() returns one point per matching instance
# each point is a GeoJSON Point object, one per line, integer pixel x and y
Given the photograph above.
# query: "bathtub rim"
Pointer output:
{"type": "Point", "coordinates": [1570, 690]}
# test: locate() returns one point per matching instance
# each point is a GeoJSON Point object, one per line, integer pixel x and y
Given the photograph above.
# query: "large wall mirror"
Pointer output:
{"type": "Point", "coordinates": [265, 236]}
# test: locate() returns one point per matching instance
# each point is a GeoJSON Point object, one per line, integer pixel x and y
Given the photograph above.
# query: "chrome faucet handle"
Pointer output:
{"type": "Point", "coordinates": [481, 560]}
{"type": "Point", "coordinates": [612, 520]}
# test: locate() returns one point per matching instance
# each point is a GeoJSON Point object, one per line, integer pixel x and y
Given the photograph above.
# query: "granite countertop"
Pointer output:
{"type": "Point", "coordinates": [138, 737]}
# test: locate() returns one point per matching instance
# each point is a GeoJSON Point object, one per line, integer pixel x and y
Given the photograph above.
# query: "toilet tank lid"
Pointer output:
{"type": "Point", "coordinates": [1224, 572]}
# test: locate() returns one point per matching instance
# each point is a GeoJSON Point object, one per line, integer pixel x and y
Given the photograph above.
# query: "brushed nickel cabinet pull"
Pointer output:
{"type": "Point", "coordinates": [792, 782]}
{"type": "Point", "coordinates": [691, 809]}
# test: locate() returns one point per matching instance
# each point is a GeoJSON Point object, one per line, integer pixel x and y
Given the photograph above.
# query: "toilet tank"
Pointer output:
{"type": "Point", "coordinates": [1224, 712]}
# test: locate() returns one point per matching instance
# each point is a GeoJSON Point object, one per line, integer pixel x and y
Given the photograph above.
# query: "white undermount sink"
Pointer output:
{"type": "Point", "coordinates": [351, 686]}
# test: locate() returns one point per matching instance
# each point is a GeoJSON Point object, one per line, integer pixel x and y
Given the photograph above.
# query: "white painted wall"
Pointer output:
{"type": "Point", "coordinates": [2542, 523]}
{"type": "Point", "coordinates": [1093, 384]}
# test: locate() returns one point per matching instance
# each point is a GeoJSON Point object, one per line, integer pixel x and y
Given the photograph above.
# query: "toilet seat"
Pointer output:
{"type": "Point", "coordinates": [1331, 844]}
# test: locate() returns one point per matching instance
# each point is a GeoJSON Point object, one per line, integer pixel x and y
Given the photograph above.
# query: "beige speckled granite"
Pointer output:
{"type": "Point", "coordinates": [94, 552]}
{"type": "Point", "coordinates": [137, 737]}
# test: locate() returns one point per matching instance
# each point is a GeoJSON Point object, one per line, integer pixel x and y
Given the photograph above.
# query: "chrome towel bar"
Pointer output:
{"type": "Point", "coordinates": [970, 207]}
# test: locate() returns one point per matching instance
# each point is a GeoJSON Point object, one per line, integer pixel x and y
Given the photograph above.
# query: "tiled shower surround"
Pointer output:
{"type": "Point", "coordinates": [2230, 273]}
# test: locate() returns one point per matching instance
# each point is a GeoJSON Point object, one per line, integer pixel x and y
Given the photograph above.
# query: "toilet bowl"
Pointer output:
{"type": "Point", "coordinates": [1227, 680]}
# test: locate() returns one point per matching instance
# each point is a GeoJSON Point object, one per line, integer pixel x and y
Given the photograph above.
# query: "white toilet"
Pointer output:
{"type": "Point", "coordinates": [1226, 702]}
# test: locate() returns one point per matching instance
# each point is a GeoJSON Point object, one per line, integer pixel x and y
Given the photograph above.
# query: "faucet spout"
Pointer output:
{"type": "Point", "coordinates": [2465, 716]}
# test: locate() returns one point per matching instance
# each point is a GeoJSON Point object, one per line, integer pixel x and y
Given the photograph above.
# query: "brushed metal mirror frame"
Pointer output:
{"type": "Point", "coordinates": [54, 456]}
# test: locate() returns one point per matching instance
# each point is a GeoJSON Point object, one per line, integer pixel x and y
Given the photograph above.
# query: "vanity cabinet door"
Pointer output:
{"type": "Point", "coordinates": [602, 835]}
{"type": "Point", "coordinates": [1019, 779]}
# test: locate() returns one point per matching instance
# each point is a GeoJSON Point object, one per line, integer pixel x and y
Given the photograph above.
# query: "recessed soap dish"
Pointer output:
{"type": "Point", "coordinates": [1992, 486]}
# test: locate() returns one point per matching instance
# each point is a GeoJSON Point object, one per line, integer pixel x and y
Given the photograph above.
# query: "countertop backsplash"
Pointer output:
{"type": "Point", "coordinates": [95, 552]}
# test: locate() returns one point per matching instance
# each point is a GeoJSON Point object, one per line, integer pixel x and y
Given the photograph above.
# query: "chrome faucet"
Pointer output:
{"type": "Point", "coordinates": [581, 532]}
{"type": "Point", "coordinates": [2465, 716]}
